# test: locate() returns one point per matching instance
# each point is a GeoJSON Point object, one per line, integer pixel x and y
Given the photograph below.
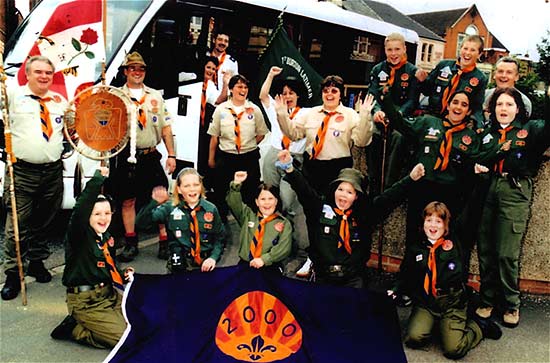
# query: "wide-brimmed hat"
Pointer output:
{"type": "Point", "coordinates": [133, 58]}
{"type": "Point", "coordinates": [352, 176]}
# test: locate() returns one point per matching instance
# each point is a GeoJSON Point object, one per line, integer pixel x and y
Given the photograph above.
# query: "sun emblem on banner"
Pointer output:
{"type": "Point", "coordinates": [258, 327]}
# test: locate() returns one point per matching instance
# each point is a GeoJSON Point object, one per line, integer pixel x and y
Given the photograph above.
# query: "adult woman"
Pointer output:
{"type": "Point", "coordinates": [90, 275]}
{"type": "Point", "coordinates": [195, 231]}
{"type": "Point", "coordinates": [236, 129]}
{"type": "Point", "coordinates": [514, 148]}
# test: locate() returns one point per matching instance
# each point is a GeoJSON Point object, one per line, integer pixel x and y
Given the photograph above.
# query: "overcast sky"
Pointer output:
{"type": "Point", "coordinates": [518, 24]}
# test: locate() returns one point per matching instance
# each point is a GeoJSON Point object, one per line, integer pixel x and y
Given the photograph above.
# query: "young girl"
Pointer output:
{"type": "Point", "coordinates": [438, 293]}
{"type": "Point", "coordinates": [196, 234]}
{"type": "Point", "coordinates": [340, 224]}
{"type": "Point", "coordinates": [90, 275]}
{"type": "Point", "coordinates": [515, 146]}
{"type": "Point", "coordinates": [266, 236]}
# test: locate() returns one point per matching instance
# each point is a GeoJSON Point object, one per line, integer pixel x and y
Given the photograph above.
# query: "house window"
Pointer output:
{"type": "Point", "coordinates": [360, 49]}
{"type": "Point", "coordinates": [258, 39]}
{"type": "Point", "coordinates": [430, 53]}
{"type": "Point", "coordinates": [427, 52]}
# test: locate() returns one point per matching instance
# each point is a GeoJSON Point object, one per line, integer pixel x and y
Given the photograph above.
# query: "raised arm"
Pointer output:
{"type": "Point", "coordinates": [266, 86]}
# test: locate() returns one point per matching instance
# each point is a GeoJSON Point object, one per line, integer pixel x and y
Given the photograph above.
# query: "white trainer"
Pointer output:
{"type": "Point", "coordinates": [305, 270]}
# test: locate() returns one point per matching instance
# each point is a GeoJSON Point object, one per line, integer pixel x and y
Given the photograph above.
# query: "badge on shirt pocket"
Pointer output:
{"type": "Point", "coordinates": [419, 258]}
{"type": "Point", "coordinates": [177, 233]}
{"type": "Point", "coordinates": [250, 224]}
{"type": "Point", "coordinates": [327, 230]}
{"type": "Point", "coordinates": [100, 264]}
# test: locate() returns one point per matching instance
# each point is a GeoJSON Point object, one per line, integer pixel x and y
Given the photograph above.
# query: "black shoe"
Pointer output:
{"type": "Point", "coordinates": [163, 250]}
{"type": "Point", "coordinates": [489, 328]}
{"type": "Point", "coordinates": [37, 270]}
{"type": "Point", "coordinates": [64, 331]}
{"type": "Point", "coordinates": [128, 254]}
{"type": "Point", "coordinates": [12, 286]}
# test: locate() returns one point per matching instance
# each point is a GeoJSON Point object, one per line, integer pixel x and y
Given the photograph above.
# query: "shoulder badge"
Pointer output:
{"type": "Point", "coordinates": [466, 140]}
{"type": "Point", "coordinates": [447, 245]}
{"type": "Point", "coordinates": [208, 217]}
{"type": "Point", "coordinates": [474, 81]}
{"type": "Point", "coordinates": [522, 134]}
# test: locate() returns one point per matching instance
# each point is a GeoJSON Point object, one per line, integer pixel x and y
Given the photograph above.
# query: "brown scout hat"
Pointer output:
{"type": "Point", "coordinates": [133, 58]}
{"type": "Point", "coordinates": [352, 176]}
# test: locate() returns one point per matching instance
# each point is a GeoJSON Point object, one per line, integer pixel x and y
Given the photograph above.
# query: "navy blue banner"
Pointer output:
{"type": "Point", "coordinates": [239, 314]}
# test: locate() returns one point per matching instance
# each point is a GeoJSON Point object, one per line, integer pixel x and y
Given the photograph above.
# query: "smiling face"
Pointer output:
{"type": "Point", "coordinates": [190, 188]}
{"type": "Point", "coordinates": [506, 74]}
{"type": "Point", "coordinates": [209, 70]}
{"type": "Point", "coordinates": [135, 74]}
{"type": "Point", "coordinates": [221, 43]}
{"type": "Point", "coordinates": [266, 203]}
{"type": "Point", "coordinates": [331, 98]}
{"type": "Point", "coordinates": [434, 227]}
{"type": "Point", "coordinates": [395, 51]}
{"type": "Point", "coordinates": [345, 195]}
{"type": "Point", "coordinates": [40, 77]}
{"type": "Point", "coordinates": [506, 109]}
{"type": "Point", "coordinates": [469, 53]}
{"type": "Point", "coordinates": [458, 108]}
{"type": "Point", "coordinates": [290, 97]}
{"type": "Point", "coordinates": [239, 92]}
{"type": "Point", "coordinates": [100, 218]}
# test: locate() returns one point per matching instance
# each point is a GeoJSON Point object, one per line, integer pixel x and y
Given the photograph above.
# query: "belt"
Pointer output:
{"type": "Point", "coordinates": [82, 288]}
{"type": "Point", "coordinates": [40, 166]}
{"type": "Point", "coordinates": [449, 290]}
{"type": "Point", "coordinates": [146, 150]}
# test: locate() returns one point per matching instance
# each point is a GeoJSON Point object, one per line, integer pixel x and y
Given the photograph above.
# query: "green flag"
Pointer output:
{"type": "Point", "coordinates": [281, 52]}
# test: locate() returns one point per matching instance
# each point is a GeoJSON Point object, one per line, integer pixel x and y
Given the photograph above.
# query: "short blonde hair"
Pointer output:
{"type": "Point", "coordinates": [394, 36]}
{"type": "Point", "coordinates": [176, 197]}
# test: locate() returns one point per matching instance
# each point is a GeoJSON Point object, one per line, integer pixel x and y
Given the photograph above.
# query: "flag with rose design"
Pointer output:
{"type": "Point", "coordinates": [73, 40]}
{"type": "Point", "coordinates": [241, 314]}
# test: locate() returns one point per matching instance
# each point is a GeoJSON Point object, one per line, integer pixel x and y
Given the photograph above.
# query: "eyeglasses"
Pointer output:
{"type": "Point", "coordinates": [136, 69]}
{"type": "Point", "coordinates": [331, 90]}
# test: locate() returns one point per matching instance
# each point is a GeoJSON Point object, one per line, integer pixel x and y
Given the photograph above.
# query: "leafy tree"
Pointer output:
{"type": "Point", "coordinates": [543, 67]}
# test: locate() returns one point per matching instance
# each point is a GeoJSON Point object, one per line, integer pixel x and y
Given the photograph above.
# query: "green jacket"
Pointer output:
{"type": "Point", "coordinates": [177, 219]}
{"type": "Point", "coordinates": [85, 263]}
{"type": "Point", "coordinates": [404, 91]}
{"type": "Point", "coordinates": [439, 79]}
{"type": "Point", "coordinates": [428, 132]}
{"type": "Point", "coordinates": [277, 241]}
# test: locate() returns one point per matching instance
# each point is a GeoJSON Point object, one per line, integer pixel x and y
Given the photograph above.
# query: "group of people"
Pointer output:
{"type": "Point", "coordinates": [469, 138]}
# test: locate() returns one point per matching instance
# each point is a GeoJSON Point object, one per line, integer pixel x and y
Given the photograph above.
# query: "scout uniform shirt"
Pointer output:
{"type": "Point", "coordinates": [28, 141]}
{"type": "Point", "coordinates": [157, 116]}
{"type": "Point", "coordinates": [277, 239]}
{"type": "Point", "coordinates": [429, 132]}
{"type": "Point", "coordinates": [345, 128]}
{"type": "Point", "coordinates": [439, 79]}
{"type": "Point", "coordinates": [85, 263]}
{"type": "Point", "coordinates": [177, 220]}
{"type": "Point", "coordinates": [404, 91]}
{"type": "Point", "coordinates": [251, 124]}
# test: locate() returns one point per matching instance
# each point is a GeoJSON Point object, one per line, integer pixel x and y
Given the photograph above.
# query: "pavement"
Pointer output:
{"type": "Point", "coordinates": [25, 330]}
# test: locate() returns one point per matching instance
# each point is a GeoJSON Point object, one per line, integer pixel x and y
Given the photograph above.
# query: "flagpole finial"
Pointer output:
{"type": "Point", "coordinates": [282, 12]}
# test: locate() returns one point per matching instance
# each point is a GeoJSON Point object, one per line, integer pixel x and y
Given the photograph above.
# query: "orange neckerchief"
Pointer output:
{"type": "Point", "coordinates": [321, 133]}
{"type": "Point", "coordinates": [285, 141]}
{"type": "Point", "coordinates": [45, 120]}
{"type": "Point", "coordinates": [344, 229]}
{"type": "Point", "coordinates": [453, 85]}
{"type": "Point", "coordinates": [432, 269]}
{"type": "Point", "coordinates": [203, 100]}
{"type": "Point", "coordinates": [115, 276]}
{"type": "Point", "coordinates": [141, 114]}
{"type": "Point", "coordinates": [500, 164]}
{"type": "Point", "coordinates": [195, 236]}
{"type": "Point", "coordinates": [447, 145]}
{"type": "Point", "coordinates": [221, 60]}
{"type": "Point", "coordinates": [258, 239]}
{"type": "Point", "coordinates": [395, 68]}
{"type": "Point", "coordinates": [237, 128]}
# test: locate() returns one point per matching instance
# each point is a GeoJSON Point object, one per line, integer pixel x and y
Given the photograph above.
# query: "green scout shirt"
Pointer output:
{"type": "Point", "coordinates": [323, 223]}
{"type": "Point", "coordinates": [448, 261]}
{"type": "Point", "coordinates": [529, 141]}
{"type": "Point", "coordinates": [177, 220]}
{"type": "Point", "coordinates": [277, 242]}
{"type": "Point", "coordinates": [474, 83]}
{"type": "Point", "coordinates": [85, 263]}
{"type": "Point", "coordinates": [428, 132]}
{"type": "Point", "coordinates": [404, 91]}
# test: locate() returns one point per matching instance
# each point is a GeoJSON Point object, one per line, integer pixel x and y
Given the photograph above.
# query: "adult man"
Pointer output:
{"type": "Point", "coordinates": [227, 62]}
{"type": "Point", "coordinates": [398, 76]}
{"type": "Point", "coordinates": [506, 75]}
{"type": "Point", "coordinates": [133, 181]}
{"type": "Point", "coordinates": [36, 119]}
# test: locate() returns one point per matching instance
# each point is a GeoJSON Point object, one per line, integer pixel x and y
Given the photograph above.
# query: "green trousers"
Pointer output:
{"type": "Point", "coordinates": [503, 224]}
{"type": "Point", "coordinates": [99, 316]}
{"type": "Point", "coordinates": [458, 334]}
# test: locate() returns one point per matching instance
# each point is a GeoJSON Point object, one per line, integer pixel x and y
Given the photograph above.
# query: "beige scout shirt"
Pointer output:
{"type": "Point", "coordinates": [252, 124]}
{"type": "Point", "coordinates": [26, 128]}
{"type": "Point", "coordinates": [345, 127]}
{"type": "Point", "coordinates": [158, 117]}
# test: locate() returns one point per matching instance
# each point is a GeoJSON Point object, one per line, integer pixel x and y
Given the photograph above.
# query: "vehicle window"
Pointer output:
{"type": "Point", "coordinates": [119, 26]}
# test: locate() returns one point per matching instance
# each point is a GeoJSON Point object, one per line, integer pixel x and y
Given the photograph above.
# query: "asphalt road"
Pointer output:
{"type": "Point", "coordinates": [24, 330]}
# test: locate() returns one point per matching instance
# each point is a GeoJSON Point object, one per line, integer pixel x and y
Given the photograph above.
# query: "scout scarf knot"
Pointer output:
{"type": "Point", "coordinates": [142, 119]}
{"type": "Point", "coordinates": [431, 274]}
{"type": "Point", "coordinates": [237, 129]}
{"type": "Point", "coordinates": [258, 239]}
{"type": "Point", "coordinates": [45, 120]}
{"type": "Point", "coordinates": [194, 235]}
{"type": "Point", "coordinates": [321, 133]}
{"type": "Point", "coordinates": [394, 69]}
{"type": "Point", "coordinates": [285, 141]}
{"type": "Point", "coordinates": [451, 87]}
{"type": "Point", "coordinates": [447, 144]}
{"type": "Point", "coordinates": [500, 164]}
{"type": "Point", "coordinates": [203, 100]}
{"type": "Point", "coordinates": [115, 276]}
{"type": "Point", "coordinates": [343, 237]}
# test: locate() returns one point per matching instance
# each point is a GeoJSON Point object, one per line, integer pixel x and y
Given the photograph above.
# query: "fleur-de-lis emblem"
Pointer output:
{"type": "Point", "coordinates": [256, 348]}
